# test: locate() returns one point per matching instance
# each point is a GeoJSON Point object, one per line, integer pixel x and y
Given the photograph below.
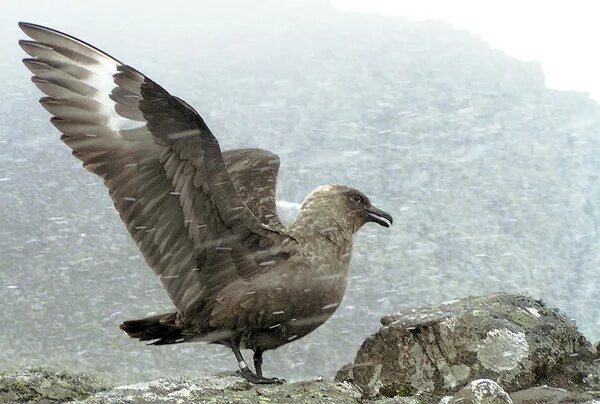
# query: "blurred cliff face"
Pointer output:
{"type": "Point", "coordinates": [490, 176]}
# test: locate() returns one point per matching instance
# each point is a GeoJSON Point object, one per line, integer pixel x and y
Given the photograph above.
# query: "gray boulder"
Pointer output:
{"type": "Point", "coordinates": [515, 340]}
{"type": "Point", "coordinates": [481, 391]}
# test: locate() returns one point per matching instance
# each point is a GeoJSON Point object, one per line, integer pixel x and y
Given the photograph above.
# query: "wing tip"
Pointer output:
{"type": "Point", "coordinates": [49, 101]}
{"type": "Point", "coordinates": [42, 33]}
{"type": "Point", "coordinates": [34, 65]}
{"type": "Point", "coordinates": [32, 48]}
{"type": "Point", "coordinates": [24, 25]}
{"type": "Point", "coordinates": [28, 28]}
{"type": "Point", "coordinates": [24, 43]}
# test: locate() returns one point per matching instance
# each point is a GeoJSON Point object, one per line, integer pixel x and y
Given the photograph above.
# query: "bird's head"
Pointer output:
{"type": "Point", "coordinates": [343, 207]}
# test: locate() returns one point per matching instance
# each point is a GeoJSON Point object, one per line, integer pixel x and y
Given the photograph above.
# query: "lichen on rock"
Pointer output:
{"type": "Point", "coordinates": [481, 391]}
{"type": "Point", "coordinates": [503, 350]}
{"type": "Point", "coordinates": [433, 352]}
{"type": "Point", "coordinates": [228, 388]}
{"type": "Point", "coordinates": [512, 339]}
{"type": "Point", "coordinates": [47, 385]}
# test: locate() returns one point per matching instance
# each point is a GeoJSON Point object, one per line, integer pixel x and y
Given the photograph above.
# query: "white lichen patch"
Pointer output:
{"type": "Point", "coordinates": [454, 375]}
{"type": "Point", "coordinates": [175, 390]}
{"type": "Point", "coordinates": [503, 350]}
{"type": "Point", "coordinates": [479, 391]}
{"type": "Point", "coordinates": [349, 389]}
{"type": "Point", "coordinates": [450, 323]}
{"type": "Point", "coordinates": [486, 388]}
{"type": "Point", "coordinates": [170, 390]}
{"type": "Point", "coordinates": [375, 383]}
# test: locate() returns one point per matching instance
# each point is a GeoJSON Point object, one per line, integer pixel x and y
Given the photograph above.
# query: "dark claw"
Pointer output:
{"type": "Point", "coordinates": [253, 378]}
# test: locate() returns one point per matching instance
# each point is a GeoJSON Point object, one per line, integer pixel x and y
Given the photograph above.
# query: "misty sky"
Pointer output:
{"type": "Point", "coordinates": [561, 35]}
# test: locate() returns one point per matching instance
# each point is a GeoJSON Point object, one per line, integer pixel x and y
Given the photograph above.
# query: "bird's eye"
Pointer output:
{"type": "Point", "coordinates": [355, 198]}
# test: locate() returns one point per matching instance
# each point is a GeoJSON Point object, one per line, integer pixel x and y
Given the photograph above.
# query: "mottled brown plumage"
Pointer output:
{"type": "Point", "coordinates": [205, 220]}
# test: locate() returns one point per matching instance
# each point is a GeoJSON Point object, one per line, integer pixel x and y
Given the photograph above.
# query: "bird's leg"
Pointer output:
{"type": "Point", "coordinates": [258, 362]}
{"type": "Point", "coordinates": [247, 373]}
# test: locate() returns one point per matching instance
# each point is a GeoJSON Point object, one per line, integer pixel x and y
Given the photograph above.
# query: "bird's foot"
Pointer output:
{"type": "Point", "coordinates": [255, 379]}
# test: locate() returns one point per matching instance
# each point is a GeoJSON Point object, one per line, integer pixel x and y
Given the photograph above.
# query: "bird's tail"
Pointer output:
{"type": "Point", "coordinates": [161, 329]}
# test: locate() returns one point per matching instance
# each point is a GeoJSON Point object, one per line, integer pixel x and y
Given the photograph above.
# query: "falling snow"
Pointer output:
{"type": "Point", "coordinates": [491, 179]}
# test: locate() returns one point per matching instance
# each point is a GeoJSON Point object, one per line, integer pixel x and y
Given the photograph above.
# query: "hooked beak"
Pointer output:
{"type": "Point", "coordinates": [377, 216]}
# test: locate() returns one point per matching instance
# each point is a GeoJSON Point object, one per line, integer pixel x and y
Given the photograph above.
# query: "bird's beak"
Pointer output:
{"type": "Point", "coordinates": [377, 216]}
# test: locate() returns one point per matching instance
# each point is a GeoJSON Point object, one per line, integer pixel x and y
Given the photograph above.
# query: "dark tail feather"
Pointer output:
{"type": "Point", "coordinates": [161, 328]}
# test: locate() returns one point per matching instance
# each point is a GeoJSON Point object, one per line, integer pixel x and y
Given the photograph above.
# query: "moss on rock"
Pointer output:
{"type": "Point", "coordinates": [47, 385]}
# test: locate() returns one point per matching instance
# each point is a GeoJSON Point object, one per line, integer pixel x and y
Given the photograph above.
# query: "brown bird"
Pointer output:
{"type": "Point", "coordinates": [205, 220]}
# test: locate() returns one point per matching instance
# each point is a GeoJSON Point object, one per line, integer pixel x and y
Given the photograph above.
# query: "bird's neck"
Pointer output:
{"type": "Point", "coordinates": [319, 221]}
{"type": "Point", "coordinates": [326, 241]}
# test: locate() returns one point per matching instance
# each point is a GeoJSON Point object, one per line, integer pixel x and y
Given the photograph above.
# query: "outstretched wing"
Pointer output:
{"type": "Point", "coordinates": [162, 165]}
{"type": "Point", "coordinates": [254, 174]}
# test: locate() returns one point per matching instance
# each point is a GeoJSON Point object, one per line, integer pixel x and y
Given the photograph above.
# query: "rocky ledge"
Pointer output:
{"type": "Point", "coordinates": [493, 349]}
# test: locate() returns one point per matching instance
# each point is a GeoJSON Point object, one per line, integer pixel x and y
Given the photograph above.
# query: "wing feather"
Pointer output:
{"type": "Point", "coordinates": [162, 165]}
{"type": "Point", "coordinates": [254, 173]}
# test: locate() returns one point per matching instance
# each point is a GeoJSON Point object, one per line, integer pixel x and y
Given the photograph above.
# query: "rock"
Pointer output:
{"type": "Point", "coordinates": [400, 400]}
{"type": "Point", "coordinates": [553, 395]}
{"type": "Point", "coordinates": [505, 342]}
{"type": "Point", "coordinates": [47, 385]}
{"type": "Point", "coordinates": [41, 385]}
{"type": "Point", "coordinates": [482, 391]}
{"type": "Point", "coordinates": [517, 341]}
{"type": "Point", "coordinates": [228, 389]}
